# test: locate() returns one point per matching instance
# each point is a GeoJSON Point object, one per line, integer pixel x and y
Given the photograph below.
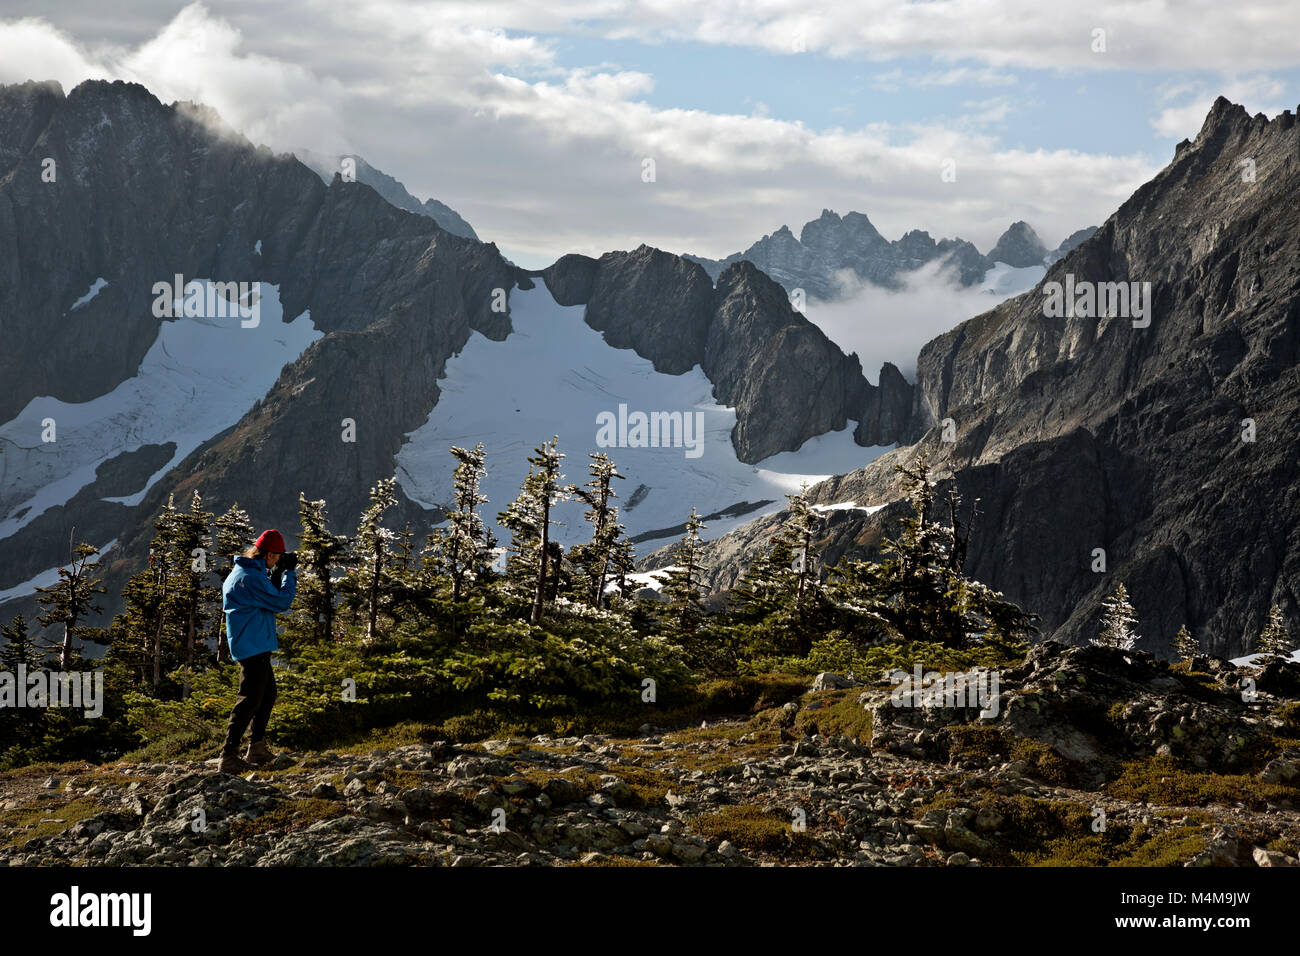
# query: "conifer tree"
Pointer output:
{"type": "Point", "coordinates": [234, 533]}
{"type": "Point", "coordinates": [373, 550]}
{"type": "Point", "coordinates": [683, 585]}
{"type": "Point", "coordinates": [189, 536]}
{"type": "Point", "coordinates": [529, 519]}
{"type": "Point", "coordinates": [1118, 622]}
{"type": "Point", "coordinates": [466, 546]}
{"type": "Point", "coordinates": [318, 551]}
{"type": "Point", "coordinates": [622, 561]}
{"type": "Point", "coordinates": [72, 598]}
{"type": "Point", "coordinates": [1185, 645]}
{"type": "Point", "coordinates": [594, 557]}
{"type": "Point", "coordinates": [802, 529]}
{"type": "Point", "coordinates": [1274, 640]}
{"type": "Point", "coordinates": [918, 592]}
{"type": "Point", "coordinates": [140, 632]}
{"type": "Point", "coordinates": [19, 649]}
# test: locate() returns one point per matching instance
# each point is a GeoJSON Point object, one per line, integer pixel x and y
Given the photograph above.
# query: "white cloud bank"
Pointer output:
{"type": "Point", "coordinates": [545, 159]}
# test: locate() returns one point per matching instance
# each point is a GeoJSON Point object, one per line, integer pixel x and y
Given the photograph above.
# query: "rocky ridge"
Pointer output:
{"type": "Point", "coordinates": [831, 245]}
{"type": "Point", "coordinates": [1085, 433]}
{"type": "Point", "coordinates": [392, 190]}
{"type": "Point", "coordinates": [1185, 771]}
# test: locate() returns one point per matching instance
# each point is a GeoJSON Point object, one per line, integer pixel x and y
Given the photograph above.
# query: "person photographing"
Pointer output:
{"type": "Point", "coordinates": [261, 585]}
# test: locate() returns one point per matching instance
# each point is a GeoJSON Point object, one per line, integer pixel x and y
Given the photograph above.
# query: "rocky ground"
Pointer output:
{"type": "Point", "coordinates": [1184, 770]}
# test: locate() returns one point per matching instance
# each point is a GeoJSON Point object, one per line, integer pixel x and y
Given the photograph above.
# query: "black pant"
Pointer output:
{"type": "Point", "coordinates": [256, 697]}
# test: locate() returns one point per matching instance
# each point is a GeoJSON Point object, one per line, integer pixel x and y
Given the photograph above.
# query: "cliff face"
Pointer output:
{"type": "Point", "coordinates": [1083, 433]}
{"type": "Point", "coordinates": [787, 381]}
{"type": "Point", "coordinates": [143, 191]}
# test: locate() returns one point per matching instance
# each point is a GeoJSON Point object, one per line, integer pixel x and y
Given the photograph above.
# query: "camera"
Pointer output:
{"type": "Point", "coordinates": [288, 561]}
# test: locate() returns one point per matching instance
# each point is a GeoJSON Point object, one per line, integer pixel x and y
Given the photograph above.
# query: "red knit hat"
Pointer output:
{"type": "Point", "coordinates": [271, 541]}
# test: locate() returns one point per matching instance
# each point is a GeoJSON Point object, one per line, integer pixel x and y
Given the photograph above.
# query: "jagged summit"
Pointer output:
{"type": "Point", "coordinates": [1019, 246]}
{"type": "Point", "coordinates": [831, 244]}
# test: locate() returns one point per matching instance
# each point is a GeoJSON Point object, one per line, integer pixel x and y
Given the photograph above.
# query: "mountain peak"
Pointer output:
{"type": "Point", "coordinates": [1019, 246]}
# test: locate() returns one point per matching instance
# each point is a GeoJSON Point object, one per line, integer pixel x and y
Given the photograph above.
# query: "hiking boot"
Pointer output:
{"type": "Point", "coordinates": [259, 753]}
{"type": "Point", "coordinates": [232, 763]}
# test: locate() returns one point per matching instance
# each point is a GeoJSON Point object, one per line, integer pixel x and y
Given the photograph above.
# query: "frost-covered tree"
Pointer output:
{"type": "Point", "coordinates": [1274, 640]}
{"type": "Point", "coordinates": [319, 550]}
{"type": "Point", "coordinates": [1118, 622]}
{"type": "Point", "coordinates": [918, 591]}
{"type": "Point", "coordinates": [529, 520]}
{"type": "Point", "coordinates": [466, 546]}
{"type": "Point", "coordinates": [373, 543]}
{"type": "Point", "coordinates": [234, 533]}
{"type": "Point", "coordinates": [1185, 645]}
{"type": "Point", "coordinates": [594, 556]}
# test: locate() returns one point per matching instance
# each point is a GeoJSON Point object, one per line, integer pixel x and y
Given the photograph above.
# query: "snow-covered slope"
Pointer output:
{"type": "Point", "coordinates": [553, 375]}
{"type": "Point", "coordinates": [47, 578]}
{"type": "Point", "coordinates": [1004, 281]}
{"type": "Point", "coordinates": [199, 376]}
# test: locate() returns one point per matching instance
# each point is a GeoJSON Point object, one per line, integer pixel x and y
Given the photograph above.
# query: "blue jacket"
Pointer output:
{"type": "Point", "coordinates": [251, 603]}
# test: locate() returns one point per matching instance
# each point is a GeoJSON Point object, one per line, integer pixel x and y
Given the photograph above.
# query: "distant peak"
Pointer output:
{"type": "Point", "coordinates": [1223, 113]}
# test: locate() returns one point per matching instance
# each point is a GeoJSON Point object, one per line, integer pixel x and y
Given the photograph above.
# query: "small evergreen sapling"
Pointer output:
{"type": "Point", "coordinates": [72, 598]}
{"type": "Point", "coordinates": [1185, 645]}
{"type": "Point", "coordinates": [1118, 622]}
{"type": "Point", "coordinates": [1274, 640]}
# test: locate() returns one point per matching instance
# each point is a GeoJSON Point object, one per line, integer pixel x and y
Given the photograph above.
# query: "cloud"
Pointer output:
{"type": "Point", "coordinates": [884, 325]}
{"type": "Point", "coordinates": [895, 80]}
{"type": "Point", "coordinates": [544, 158]}
{"type": "Point", "coordinates": [32, 49]}
{"type": "Point", "coordinates": [194, 57]}
{"type": "Point", "coordinates": [1191, 101]}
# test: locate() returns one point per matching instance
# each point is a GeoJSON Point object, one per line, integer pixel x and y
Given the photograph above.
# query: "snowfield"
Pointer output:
{"type": "Point", "coordinates": [45, 579]}
{"type": "Point", "coordinates": [1004, 281]}
{"type": "Point", "coordinates": [95, 288]}
{"type": "Point", "coordinates": [199, 377]}
{"type": "Point", "coordinates": [553, 375]}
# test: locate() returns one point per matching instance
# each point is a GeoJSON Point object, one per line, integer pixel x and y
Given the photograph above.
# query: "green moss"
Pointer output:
{"type": "Point", "coordinates": [984, 744]}
{"type": "Point", "coordinates": [615, 861]}
{"type": "Point", "coordinates": [1162, 780]}
{"type": "Point", "coordinates": [1043, 762]}
{"type": "Point", "coordinates": [842, 716]}
{"type": "Point", "coordinates": [49, 818]}
{"type": "Point", "coordinates": [1289, 714]}
{"type": "Point", "coordinates": [753, 828]}
{"type": "Point", "coordinates": [291, 815]}
{"type": "Point", "coordinates": [1036, 832]}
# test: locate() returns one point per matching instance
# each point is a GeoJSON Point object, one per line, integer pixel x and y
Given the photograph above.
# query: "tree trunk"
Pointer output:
{"type": "Point", "coordinates": [327, 589]}
{"type": "Point", "coordinates": [374, 601]}
{"type": "Point", "coordinates": [539, 592]}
